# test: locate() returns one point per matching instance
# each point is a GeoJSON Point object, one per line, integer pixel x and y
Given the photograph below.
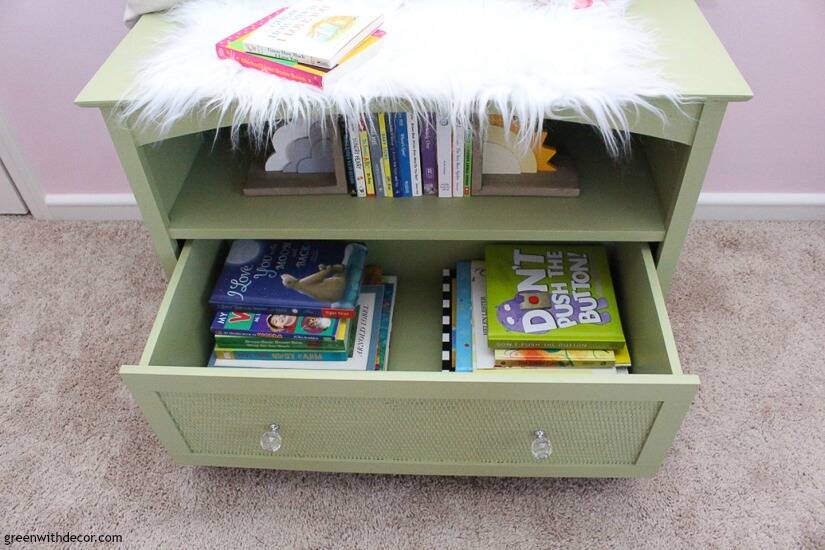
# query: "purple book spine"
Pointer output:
{"type": "Point", "coordinates": [429, 165]}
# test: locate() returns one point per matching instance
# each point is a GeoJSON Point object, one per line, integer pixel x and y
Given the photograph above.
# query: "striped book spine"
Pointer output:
{"type": "Point", "coordinates": [446, 321]}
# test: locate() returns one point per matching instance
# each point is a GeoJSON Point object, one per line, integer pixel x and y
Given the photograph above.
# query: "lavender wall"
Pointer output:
{"type": "Point", "coordinates": [52, 48]}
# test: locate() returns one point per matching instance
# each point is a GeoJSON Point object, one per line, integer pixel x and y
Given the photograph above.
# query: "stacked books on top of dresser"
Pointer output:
{"type": "Point", "coordinates": [301, 304]}
{"type": "Point", "coordinates": [533, 308]}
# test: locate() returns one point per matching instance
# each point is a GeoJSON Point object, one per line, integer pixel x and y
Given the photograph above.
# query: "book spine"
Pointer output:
{"type": "Point", "coordinates": [453, 299]}
{"type": "Point", "coordinates": [404, 158]}
{"type": "Point", "coordinates": [392, 140]}
{"type": "Point", "coordinates": [267, 66]}
{"type": "Point", "coordinates": [366, 159]}
{"type": "Point", "coordinates": [458, 160]}
{"type": "Point", "coordinates": [483, 357]}
{"type": "Point", "coordinates": [385, 154]}
{"type": "Point", "coordinates": [290, 56]}
{"type": "Point", "coordinates": [555, 344]}
{"type": "Point", "coordinates": [357, 159]}
{"type": "Point", "coordinates": [252, 342]}
{"type": "Point", "coordinates": [273, 337]}
{"type": "Point", "coordinates": [376, 157]}
{"type": "Point", "coordinates": [468, 162]}
{"type": "Point", "coordinates": [429, 165]}
{"type": "Point", "coordinates": [446, 321]}
{"type": "Point", "coordinates": [464, 319]}
{"type": "Point", "coordinates": [294, 355]}
{"type": "Point", "coordinates": [349, 171]}
{"type": "Point", "coordinates": [444, 155]}
{"type": "Point", "coordinates": [330, 313]}
{"type": "Point", "coordinates": [415, 154]}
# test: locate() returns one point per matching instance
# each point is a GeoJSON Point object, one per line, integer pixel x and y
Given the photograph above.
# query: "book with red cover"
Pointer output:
{"type": "Point", "coordinates": [232, 47]}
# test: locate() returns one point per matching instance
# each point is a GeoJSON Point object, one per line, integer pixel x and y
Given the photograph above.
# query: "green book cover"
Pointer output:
{"type": "Point", "coordinates": [551, 296]}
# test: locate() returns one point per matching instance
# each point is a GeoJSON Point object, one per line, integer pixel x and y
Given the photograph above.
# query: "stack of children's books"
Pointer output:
{"type": "Point", "coordinates": [533, 309]}
{"type": "Point", "coordinates": [400, 154]}
{"type": "Point", "coordinates": [311, 41]}
{"type": "Point", "coordinates": [301, 305]}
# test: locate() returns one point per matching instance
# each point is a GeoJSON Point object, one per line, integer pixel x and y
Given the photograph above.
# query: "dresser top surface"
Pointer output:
{"type": "Point", "coordinates": [693, 58]}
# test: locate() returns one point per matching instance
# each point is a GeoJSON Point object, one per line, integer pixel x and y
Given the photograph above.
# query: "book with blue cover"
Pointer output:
{"type": "Point", "coordinates": [314, 278]}
{"type": "Point", "coordinates": [402, 140]}
{"type": "Point", "coordinates": [464, 319]}
{"type": "Point", "coordinates": [392, 143]}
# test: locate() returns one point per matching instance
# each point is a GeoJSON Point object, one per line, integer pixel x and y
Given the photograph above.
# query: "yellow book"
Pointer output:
{"type": "Point", "coordinates": [385, 154]}
{"type": "Point", "coordinates": [544, 358]}
{"type": "Point", "coordinates": [363, 136]}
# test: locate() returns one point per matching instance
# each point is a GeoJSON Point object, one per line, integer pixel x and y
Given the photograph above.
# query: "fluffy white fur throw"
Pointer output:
{"type": "Point", "coordinates": [461, 58]}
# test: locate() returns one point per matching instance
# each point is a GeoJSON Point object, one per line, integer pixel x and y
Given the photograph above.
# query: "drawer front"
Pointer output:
{"type": "Point", "coordinates": [449, 431]}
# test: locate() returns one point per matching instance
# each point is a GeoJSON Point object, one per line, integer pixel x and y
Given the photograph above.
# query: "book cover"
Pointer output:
{"type": "Point", "coordinates": [390, 283]}
{"type": "Point", "coordinates": [429, 165]}
{"type": "Point", "coordinates": [453, 319]}
{"type": "Point", "coordinates": [314, 32]}
{"type": "Point", "coordinates": [402, 141]}
{"type": "Point", "coordinates": [458, 160]}
{"type": "Point", "coordinates": [362, 353]}
{"type": "Point", "coordinates": [385, 154]}
{"type": "Point", "coordinates": [446, 320]}
{"type": "Point", "coordinates": [376, 154]}
{"type": "Point", "coordinates": [482, 354]}
{"type": "Point", "coordinates": [366, 159]}
{"type": "Point", "coordinates": [415, 154]}
{"type": "Point", "coordinates": [349, 171]}
{"type": "Point", "coordinates": [444, 156]}
{"type": "Point", "coordinates": [315, 278]}
{"type": "Point", "coordinates": [279, 355]}
{"type": "Point", "coordinates": [273, 326]}
{"type": "Point", "coordinates": [234, 47]}
{"type": "Point", "coordinates": [392, 141]}
{"type": "Point", "coordinates": [464, 319]}
{"type": "Point", "coordinates": [588, 358]}
{"type": "Point", "coordinates": [551, 296]}
{"type": "Point", "coordinates": [277, 344]}
{"type": "Point", "coordinates": [357, 158]}
{"type": "Point", "coordinates": [468, 162]}
{"type": "Point", "coordinates": [557, 371]}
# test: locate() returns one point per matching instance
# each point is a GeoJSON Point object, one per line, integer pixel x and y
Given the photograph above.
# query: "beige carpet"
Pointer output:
{"type": "Point", "coordinates": [747, 470]}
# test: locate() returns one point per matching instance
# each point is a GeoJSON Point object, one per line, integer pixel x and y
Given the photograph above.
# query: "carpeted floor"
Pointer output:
{"type": "Point", "coordinates": [747, 470]}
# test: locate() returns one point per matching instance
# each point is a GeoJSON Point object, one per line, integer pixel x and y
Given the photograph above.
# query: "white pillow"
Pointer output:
{"type": "Point", "coordinates": [136, 8]}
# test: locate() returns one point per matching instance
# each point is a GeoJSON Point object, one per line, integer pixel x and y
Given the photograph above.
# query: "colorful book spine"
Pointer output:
{"type": "Point", "coordinates": [357, 159]}
{"type": "Point", "coordinates": [444, 155]}
{"type": "Point", "coordinates": [483, 357]}
{"type": "Point", "coordinates": [464, 319]}
{"type": "Point", "coordinates": [346, 146]}
{"type": "Point", "coordinates": [376, 155]}
{"type": "Point", "coordinates": [453, 296]}
{"type": "Point", "coordinates": [277, 344]}
{"type": "Point", "coordinates": [365, 157]}
{"type": "Point", "coordinates": [385, 154]}
{"type": "Point", "coordinates": [385, 331]}
{"type": "Point", "coordinates": [277, 328]}
{"type": "Point", "coordinates": [286, 355]}
{"type": "Point", "coordinates": [554, 358]}
{"type": "Point", "coordinates": [429, 164]}
{"type": "Point", "coordinates": [446, 321]}
{"type": "Point", "coordinates": [468, 162]}
{"type": "Point", "coordinates": [392, 140]}
{"type": "Point", "coordinates": [402, 141]}
{"type": "Point", "coordinates": [458, 160]}
{"type": "Point", "coordinates": [415, 154]}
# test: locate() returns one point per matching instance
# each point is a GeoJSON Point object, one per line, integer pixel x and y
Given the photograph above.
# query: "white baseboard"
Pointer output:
{"type": "Point", "coordinates": [712, 206]}
{"type": "Point", "coordinates": [92, 206]}
{"type": "Point", "coordinates": [761, 206]}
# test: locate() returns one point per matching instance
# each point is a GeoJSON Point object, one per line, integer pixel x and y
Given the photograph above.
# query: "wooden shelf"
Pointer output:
{"type": "Point", "coordinates": [618, 202]}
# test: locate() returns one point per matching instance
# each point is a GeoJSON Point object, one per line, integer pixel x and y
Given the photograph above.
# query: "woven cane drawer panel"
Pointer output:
{"type": "Point", "coordinates": [414, 430]}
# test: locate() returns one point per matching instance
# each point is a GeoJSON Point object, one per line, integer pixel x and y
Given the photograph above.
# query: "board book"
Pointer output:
{"type": "Point", "coordinates": [551, 296]}
{"type": "Point", "coordinates": [275, 326]}
{"type": "Point", "coordinates": [311, 278]}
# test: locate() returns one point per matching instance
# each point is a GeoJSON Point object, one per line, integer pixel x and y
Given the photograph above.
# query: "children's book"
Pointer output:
{"type": "Point", "coordinates": [278, 344]}
{"type": "Point", "coordinates": [482, 354]}
{"type": "Point", "coordinates": [273, 326]}
{"type": "Point", "coordinates": [376, 154]}
{"type": "Point", "coordinates": [395, 167]}
{"type": "Point", "coordinates": [349, 169]}
{"type": "Point", "coordinates": [541, 358]}
{"type": "Point", "coordinates": [551, 296]}
{"type": "Point", "coordinates": [314, 32]}
{"type": "Point", "coordinates": [366, 159]}
{"type": "Point", "coordinates": [386, 161]}
{"type": "Point", "coordinates": [415, 154]}
{"type": "Point", "coordinates": [402, 147]}
{"type": "Point", "coordinates": [357, 158]}
{"type": "Point", "coordinates": [390, 283]}
{"type": "Point", "coordinates": [446, 321]}
{"type": "Point", "coordinates": [464, 319]}
{"type": "Point", "coordinates": [429, 164]}
{"type": "Point", "coordinates": [468, 161]}
{"type": "Point", "coordinates": [444, 156]}
{"type": "Point", "coordinates": [362, 352]}
{"type": "Point", "coordinates": [279, 355]}
{"type": "Point", "coordinates": [235, 47]}
{"type": "Point", "coordinates": [311, 278]}
{"type": "Point", "coordinates": [459, 135]}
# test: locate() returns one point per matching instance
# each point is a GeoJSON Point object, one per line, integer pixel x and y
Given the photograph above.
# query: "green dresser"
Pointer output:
{"type": "Point", "coordinates": [413, 418]}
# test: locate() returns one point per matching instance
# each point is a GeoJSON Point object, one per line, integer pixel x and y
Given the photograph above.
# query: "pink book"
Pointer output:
{"type": "Point", "coordinates": [232, 47]}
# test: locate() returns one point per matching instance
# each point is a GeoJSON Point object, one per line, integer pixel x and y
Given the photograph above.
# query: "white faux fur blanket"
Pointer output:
{"type": "Point", "coordinates": [461, 58]}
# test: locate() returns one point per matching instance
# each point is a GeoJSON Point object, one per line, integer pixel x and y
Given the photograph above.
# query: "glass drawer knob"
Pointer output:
{"type": "Point", "coordinates": [541, 447]}
{"type": "Point", "coordinates": [271, 439]}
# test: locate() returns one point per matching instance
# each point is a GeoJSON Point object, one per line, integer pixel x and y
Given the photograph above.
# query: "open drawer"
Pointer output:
{"type": "Point", "coordinates": [413, 418]}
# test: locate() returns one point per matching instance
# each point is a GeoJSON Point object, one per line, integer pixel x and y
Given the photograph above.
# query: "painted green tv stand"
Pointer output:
{"type": "Point", "coordinates": [414, 419]}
